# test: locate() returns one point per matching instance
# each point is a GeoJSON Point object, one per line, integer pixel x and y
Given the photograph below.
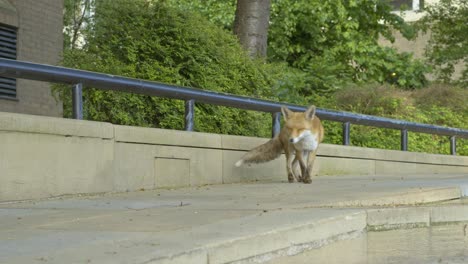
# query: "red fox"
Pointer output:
{"type": "Point", "coordinates": [299, 139]}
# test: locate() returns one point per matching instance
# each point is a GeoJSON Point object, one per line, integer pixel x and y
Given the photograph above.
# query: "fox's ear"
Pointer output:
{"type": "Point", "coordinates": [310, 113]}
{"type": "Point", "coordinates": [286, 112]}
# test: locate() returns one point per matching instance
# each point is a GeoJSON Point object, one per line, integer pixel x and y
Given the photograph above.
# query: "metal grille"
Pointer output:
{"type": "Point", "coordinates": [7, 51]}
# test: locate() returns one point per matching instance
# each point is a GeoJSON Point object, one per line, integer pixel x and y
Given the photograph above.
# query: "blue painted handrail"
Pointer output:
{"type": "Point", "coordinates": [79, 78]}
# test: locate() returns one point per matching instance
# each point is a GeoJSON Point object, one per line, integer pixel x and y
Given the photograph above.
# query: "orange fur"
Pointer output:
{"type": "Point", "coordinates": [299, 139]}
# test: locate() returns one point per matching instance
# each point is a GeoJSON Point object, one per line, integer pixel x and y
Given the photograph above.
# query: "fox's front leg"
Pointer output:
{"type": "Point", "coordinates": [310, 164]}
{"type": "Point", "coordinates": [297, 170]}
{"type": "Point", "coordinates": [300, 156]}
{"type": "Point", "coordinates": [289, 165]}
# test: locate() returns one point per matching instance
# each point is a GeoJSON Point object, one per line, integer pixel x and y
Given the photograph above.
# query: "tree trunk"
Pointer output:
{"type": "Point", "coordinates": [251, 25]}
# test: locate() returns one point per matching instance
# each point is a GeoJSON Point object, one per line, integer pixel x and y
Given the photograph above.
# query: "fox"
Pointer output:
{"type": "Point", "coordinates": [298, 139]}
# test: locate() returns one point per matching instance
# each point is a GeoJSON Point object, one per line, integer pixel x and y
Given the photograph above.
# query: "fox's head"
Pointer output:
{"type": "Point", "coordinates": [298, 124]}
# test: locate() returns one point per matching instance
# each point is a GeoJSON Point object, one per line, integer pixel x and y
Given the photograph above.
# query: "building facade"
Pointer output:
{"type": "Point", "coordinates": [410, 10]}
{"type": "Point", "coordinates": [412, 13]}
{"type": "Point", "coordinates": [30, 30]}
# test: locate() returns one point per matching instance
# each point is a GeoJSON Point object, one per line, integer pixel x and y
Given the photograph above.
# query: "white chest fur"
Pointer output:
{"type": "Point", "coordinates": [308, 142]}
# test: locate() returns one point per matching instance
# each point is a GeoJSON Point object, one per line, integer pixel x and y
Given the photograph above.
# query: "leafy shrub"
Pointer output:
{"type": "Point", "coordinates": [333, 42]}
{"type": "Point", "coordinates": [420, 106]}
{"type": "Point", "coordinates": [380, 100]}
{"type": "Point", "coordinates": [447, 21]}
{"type": "Point", "coordinates": [156, 42]}
{"type": "Point", "coordinates": [336, 43]}
{"type": "Point", "coordinates": [444, 95]}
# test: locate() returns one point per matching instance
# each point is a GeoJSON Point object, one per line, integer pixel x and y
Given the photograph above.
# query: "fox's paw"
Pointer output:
{"type": "Point", "coordinates": [307, 180]}
{"type": "Point", "coordinates": [290, 178]}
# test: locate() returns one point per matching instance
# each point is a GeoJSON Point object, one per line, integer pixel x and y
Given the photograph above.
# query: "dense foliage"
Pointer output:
{"type": "Point", "coordinates": [337, 40]}
{"type": "Point", "coordinates": [157, 42]}
{"type": "Point", "coordinates": [438, 104]}
{"type": "Point", "coordinates": [325, 49]}
{"type": "Point", "coordinates": [333, 42]}
{"type": "Point", "coordinates": [447, 22]}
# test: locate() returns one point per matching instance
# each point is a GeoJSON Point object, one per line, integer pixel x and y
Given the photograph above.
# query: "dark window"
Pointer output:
{"type": "Point", "coordinates": [7, 51]}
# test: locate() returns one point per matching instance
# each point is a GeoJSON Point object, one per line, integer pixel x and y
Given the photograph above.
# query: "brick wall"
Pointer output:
{"type": "Point", "coordinates": [40, 39]}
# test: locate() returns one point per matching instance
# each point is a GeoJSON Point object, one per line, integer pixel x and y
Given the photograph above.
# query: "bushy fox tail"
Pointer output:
{"type": "Point", "coordinates": [263, 153]}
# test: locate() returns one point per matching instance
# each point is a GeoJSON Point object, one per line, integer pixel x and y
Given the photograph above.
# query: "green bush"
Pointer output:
{"type": "Point", "coordinates": [160, 43]}
{"type": "Point", "coordinates": [336, 43]}
{"type": "Point", "coordinates": [421, 106]}
{"type": "Point", "coordinates": [155, 41]}
{"type": "Point", "coordinates": [444, 95]}
{"type": "Point", "coordinates": [333, 42]}
{"type": "Point", "coordinates": [447, 22]}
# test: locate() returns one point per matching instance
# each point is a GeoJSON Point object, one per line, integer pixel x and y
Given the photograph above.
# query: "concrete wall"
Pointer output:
{"type": "Point", "coordinates": [45, 156]}
{"type": "Point", "coordinates": [39, 26]}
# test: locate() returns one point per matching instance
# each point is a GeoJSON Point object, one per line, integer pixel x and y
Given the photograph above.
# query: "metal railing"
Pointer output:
{"type": "Point", "coordinates": [80, 78]}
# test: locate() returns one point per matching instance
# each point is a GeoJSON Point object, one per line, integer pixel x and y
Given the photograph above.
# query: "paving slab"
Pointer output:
{"type": "Point", "coordinates": [219, 223]}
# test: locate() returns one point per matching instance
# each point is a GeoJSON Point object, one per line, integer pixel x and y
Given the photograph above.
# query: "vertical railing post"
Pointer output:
{"type": "Point", "coordinates": [276, 126]}
{"type": "Point", "coordinates": [189, 114]}
{"type": "Point", "coordinates": [346, 131]}
{"type": "Point", "coordinates": [404, 140]}
{"type": "Point", "coordinates": [453, 145]}
{"type": "Point", "coordinates": [77, 101]}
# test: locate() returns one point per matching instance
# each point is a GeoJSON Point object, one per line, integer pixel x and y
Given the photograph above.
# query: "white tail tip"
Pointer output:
{"type": "Point", "coordinates": [239, 163]}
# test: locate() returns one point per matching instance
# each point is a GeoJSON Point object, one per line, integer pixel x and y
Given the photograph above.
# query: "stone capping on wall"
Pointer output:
{"type": "Point", "coordinates": [55, 126]}
{"type": "Point", "coordinates": [242, 143]}
{"type": "Point", "coordinates": [167, 137]}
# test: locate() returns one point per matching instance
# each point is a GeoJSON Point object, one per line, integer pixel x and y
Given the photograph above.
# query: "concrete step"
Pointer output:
{"type": "Point", "coordinates": [221, 223]}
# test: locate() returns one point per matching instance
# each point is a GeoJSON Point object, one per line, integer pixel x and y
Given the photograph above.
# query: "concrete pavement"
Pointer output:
{"type": "Point", "coordinates": [222, 223]}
